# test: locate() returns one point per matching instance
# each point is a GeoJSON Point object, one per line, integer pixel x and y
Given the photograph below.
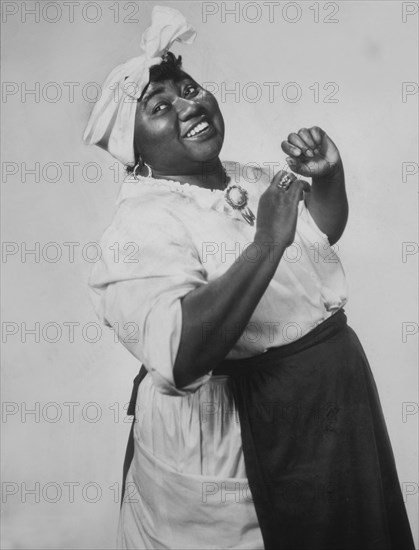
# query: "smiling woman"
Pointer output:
{"type": "Point", "coordinates": [190, 132]}
{"type": "Point", "coordinates": [256, 410]}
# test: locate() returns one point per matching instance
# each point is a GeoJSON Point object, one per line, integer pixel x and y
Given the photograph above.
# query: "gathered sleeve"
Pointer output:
{"type": "Point", "coordinates": [148, 264]}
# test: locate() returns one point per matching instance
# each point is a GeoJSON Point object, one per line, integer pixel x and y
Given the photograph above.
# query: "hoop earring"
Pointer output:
{"type": "Point", "coordinates": [134, 172]}
{"type": "Point", "coordinates": [149, 171]}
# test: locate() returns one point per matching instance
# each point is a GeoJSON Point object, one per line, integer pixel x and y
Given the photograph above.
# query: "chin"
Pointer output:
{"type": "Point", "coordinates": [206, 156]}
{"type": "Point", "coordinates": [208, 150]}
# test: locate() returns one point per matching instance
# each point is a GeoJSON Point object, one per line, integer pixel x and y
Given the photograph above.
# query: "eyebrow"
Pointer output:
{"type": "Point", "coordinates": [149, 95]}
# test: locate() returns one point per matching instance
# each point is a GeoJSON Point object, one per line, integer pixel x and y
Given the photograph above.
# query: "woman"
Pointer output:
{"type": "Point", "coordinates": [258, 423]}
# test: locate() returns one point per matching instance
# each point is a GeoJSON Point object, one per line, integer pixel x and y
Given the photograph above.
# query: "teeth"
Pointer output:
{"type": "Point", "coordinates": [197, 129]}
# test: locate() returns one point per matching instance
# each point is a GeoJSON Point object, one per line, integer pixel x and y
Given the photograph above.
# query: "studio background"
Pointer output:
{"type": "Point", "coordinates": [363, 58]}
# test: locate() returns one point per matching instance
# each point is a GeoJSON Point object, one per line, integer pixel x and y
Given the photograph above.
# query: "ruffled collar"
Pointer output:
{"type": "Point", "coordinates": [205, 198]}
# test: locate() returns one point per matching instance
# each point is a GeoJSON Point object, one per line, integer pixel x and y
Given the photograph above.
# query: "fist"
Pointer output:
{"type": "Point", "coordinates": [312, 153]}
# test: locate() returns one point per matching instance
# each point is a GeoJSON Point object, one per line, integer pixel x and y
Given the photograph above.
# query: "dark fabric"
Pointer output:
{"type": "Point", "coordinates": [129, 453]}
{"type": "Point", "coordinates": [317, 453]}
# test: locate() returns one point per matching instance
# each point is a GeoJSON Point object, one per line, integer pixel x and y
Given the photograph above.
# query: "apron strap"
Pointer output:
{"type": "Point", "coordinates": [129, 453]}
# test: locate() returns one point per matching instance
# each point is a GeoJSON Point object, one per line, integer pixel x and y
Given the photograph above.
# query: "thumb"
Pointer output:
{"type": "Point", "coordinates": [299, 167]}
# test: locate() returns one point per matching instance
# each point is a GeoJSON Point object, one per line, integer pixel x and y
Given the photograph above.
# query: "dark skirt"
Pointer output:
{"type": "Point", "coordinates": [317, 453]}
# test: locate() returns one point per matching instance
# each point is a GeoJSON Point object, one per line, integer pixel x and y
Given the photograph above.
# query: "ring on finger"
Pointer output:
{"type": "Point", "coordinates": [285, 181]}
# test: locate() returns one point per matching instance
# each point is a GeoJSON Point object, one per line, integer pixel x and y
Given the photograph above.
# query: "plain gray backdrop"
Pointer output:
{"type": "Point", "coordinates": [348, 67]}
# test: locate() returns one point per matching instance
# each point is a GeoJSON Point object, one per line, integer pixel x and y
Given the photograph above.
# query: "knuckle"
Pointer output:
{"type": "Point", "coordinates": [295, 187]}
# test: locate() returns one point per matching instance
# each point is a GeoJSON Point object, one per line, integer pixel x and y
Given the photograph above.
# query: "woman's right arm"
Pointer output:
{"type": "Point", "coordinates": [215, 315]}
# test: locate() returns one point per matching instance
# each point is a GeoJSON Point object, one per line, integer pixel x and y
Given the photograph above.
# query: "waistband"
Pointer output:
{"type": "Point", "coordinates": [323, 332]}
{"type": "Point", "coordinates": [320, 334]}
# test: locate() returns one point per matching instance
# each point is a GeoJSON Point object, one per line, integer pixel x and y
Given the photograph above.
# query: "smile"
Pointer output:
{"type": "Point", "coordinates": [199, 129]}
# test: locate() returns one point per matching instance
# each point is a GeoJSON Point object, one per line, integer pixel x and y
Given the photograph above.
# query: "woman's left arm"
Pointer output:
{"type": "Point", "coordinates": [313, 154]}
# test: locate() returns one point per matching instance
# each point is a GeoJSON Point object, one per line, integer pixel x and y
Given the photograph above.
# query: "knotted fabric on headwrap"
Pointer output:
{"type": "Point", "coordinates": [111, 124]}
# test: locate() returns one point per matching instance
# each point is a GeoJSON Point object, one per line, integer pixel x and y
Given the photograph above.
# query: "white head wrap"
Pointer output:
{"type": "Point", "coordinates": [111, 124]}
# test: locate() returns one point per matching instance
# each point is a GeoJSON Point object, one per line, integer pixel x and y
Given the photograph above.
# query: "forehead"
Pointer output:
{"type": "Point", "coordinates": [164, 84]}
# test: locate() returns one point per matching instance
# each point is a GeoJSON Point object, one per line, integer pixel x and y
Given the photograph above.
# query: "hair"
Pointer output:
{"type": "Point", "coordinates": [169, 69]}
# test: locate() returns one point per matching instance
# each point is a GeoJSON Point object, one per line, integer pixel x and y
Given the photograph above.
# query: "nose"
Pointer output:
{"type": "Point", "coordinates": [186, 108]}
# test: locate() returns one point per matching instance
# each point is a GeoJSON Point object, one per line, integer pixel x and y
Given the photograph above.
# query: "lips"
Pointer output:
{"type": "Point", "coordinates": [197, 129]}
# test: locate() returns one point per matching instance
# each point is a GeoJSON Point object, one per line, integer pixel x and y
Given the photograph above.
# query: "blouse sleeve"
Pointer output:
{"type": "Point", "coordinates": [148, 265]}
{"type": "Point", "coordinates": [305, 215]}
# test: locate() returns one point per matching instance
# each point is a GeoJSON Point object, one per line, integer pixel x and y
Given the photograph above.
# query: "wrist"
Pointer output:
{"type": "Point", "coordinates": [269, 247]}
{"type": "Point", "coordinates": [335, 174]}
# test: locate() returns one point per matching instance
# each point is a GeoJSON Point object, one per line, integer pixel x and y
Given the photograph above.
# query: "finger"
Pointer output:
{"type": "Point", "coordinates": [306, 137]}
{"type": "Point", "coordinates": [301, 168]}
{"type": "Point", "coordinates": [317, 135]}
{"type": "Point", "coordinates": [279, 176]}
{"type": "Point", "coordinates": [293, 163]}
{"type": "Point", "coordinates": [291, 149]}
{"type": "Point", "coordinates": [298, 194]}
{"type": "Point", "coordinates": [296, 188]}
{"type": "Point", "coordinates": [297, 141]}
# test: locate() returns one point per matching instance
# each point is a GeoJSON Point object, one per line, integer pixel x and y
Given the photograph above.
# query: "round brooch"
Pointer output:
{"type": "Point", "coordinates": [237, 198]}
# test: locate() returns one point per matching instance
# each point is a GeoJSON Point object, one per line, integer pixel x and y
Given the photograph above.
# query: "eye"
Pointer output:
{"type": "Point", "coordinates": [190, 90]}
{"type": "Point", "coordinates": [160, 107]}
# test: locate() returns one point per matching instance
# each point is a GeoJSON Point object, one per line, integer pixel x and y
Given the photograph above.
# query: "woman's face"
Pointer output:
{"type": "Point", "coordinates": [178, 127]}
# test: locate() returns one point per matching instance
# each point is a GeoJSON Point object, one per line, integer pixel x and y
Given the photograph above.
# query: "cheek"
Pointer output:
{"type": "Point", "coordinates": [210, 101]}
{"type": "Point", "coordinates": [163, 127]}
{"type": "Point", "coordinates": [150, 132]}
{"type": "Point", "coordinates": [214, 108]}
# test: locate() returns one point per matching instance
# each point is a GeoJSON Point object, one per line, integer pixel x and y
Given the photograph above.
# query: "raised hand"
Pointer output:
{"type": "Point", "coordinates": [312, 153]}
{"type": "Point", "coordinates": [278, 209]}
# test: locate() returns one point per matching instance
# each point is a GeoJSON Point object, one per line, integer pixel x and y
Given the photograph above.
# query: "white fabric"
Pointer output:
{"type": "Point", "coordinates": [188, 236]}
{"type": "Point", "coordinates": [187, 485]}
{"type": "Point", "coordinates": [112, 121]}
{"type": "Point", "coordinates": [187, 439]}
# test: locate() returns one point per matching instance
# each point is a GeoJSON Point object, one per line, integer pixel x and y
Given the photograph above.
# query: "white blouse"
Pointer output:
{"type": "Point", "coordinates": [187, 485]}
{"type": "Point", "coordinates": [169, 238]}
